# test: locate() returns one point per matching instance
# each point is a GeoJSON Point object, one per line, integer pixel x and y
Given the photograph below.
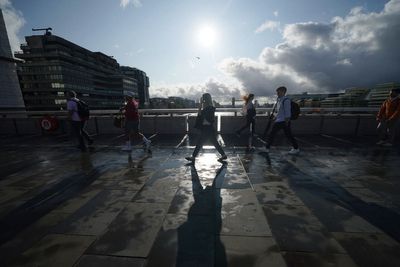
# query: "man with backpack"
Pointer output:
{"type": "Point", "coordinates": [281, 115]}
{"type": "Point", "coordinates": [78, 114]}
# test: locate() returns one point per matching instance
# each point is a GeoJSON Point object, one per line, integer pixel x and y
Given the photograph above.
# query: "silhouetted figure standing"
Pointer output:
{"type": "Point", "coordinates": [389, 120]}
{"type": "Point", "coordinates": [250, 112]}
{"type": "Point", "coordinates": [205, 122]}
{"type": "Point", "coordinates": [281, 121]}
{"type": "Point", "coordinates": [77, 123]}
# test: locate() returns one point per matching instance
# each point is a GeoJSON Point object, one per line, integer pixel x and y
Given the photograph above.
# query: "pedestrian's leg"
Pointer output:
{"type": "Point", "coordinates": [253, 126]}
{"type": "Point", "coordinates": [214, 141]}
{"type": "Point", "coordinates": [199, 143]}
{"type": "Point", "coordinates": [382, 130]}
{"type": "Point", "coordinates": [246, 126]}
{"type": "Point", "coordinates": [288, 132]}
{"type": "Point", "coordinates": [275, 128]}
{"type": "Point", "coordinates": [76, 125]}
{"type": "Point", "coordinates": [84, 133]}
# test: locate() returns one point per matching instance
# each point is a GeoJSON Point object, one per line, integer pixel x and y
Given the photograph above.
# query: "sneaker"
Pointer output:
{"type": "Point", "coordinates": [190, 158]}
{"type": "Point", "coordinates": [224, 157]}
{"type": "Point", "coordinates": [294, 151]}
{"type": "Point", "coordinates": [381, 142]}
{"type": "Point", "coordinates": [146, 145]}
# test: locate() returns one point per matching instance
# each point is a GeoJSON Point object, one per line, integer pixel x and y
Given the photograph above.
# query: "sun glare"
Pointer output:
{"type": "Point", "coordinates": [207, 36]}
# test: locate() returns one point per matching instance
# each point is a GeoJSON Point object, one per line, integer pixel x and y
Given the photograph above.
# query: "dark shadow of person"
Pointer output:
{"type": "Point", "coordinates": [139, 162]}
{"type": "Point", "coordinates": [199, 242]}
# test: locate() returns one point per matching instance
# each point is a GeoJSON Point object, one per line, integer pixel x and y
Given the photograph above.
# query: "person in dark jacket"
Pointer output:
{"type": "Point", "coordinates": [250, 112]}
{"type": "Point", "coordinates": [206, 115]}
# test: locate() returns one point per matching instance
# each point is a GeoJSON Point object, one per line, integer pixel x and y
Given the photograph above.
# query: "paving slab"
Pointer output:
{"type": "Point", "coordinates": [107, 261]}
{"type": "Point", "coordinates": [133, 232]}
{"type": "Point", "coordinates": [55, 250]}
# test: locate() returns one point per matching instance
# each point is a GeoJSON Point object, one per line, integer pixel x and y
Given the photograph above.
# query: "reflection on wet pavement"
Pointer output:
{"type": "Point", "coordinates": [331, 205]}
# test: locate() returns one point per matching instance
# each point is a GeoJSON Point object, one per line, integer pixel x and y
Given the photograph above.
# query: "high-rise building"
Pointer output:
{"type": "Point", "coordinates": [10, 92]}
{"type": "Point", "coordinates": [142, 82]}
{"type": "Point", "coordinates": [53, 65]}
{"type": "Point", "coordinates": [380, 93]}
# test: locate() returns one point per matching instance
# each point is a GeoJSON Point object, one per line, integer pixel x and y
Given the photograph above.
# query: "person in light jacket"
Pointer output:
{"type": "Point", "coordinates": [282, 121]}
{"type": "Point", "coordinates": [250, 112]}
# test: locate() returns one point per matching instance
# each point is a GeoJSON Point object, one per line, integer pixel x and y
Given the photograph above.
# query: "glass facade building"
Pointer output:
{"type": "Point", "coordinates": [52, 66]}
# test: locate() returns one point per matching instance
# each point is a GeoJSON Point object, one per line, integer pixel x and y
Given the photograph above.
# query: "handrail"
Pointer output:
{"type": "Point", "coordinates": [193, 111]}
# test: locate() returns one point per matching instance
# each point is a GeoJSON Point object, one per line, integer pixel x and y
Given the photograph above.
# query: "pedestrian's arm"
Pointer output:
{"type": "Point", "coordinates": [396, 114]}
{"type": "Point", "coordinates": [382, 112]}
{"type": "Point", "coordinates": [287, 109]}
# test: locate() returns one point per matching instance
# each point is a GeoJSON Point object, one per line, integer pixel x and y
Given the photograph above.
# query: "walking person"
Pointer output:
{"type": "Point", "coordinates": [132, 123]}
{"type": "Point", "coordinates": [205, 123]}
{"type": "Point", "coordinates": [250, 112]}
{"type": "Point", "coordinates": [389, 120]}
{"type": "Point", "coordinates": [78, 123]}
{"type": "Point", "coordinates": [281, 120]}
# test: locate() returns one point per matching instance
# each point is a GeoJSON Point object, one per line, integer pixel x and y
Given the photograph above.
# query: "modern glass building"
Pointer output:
{"type": "Point", "coordinates": [380, 93]}
{"type": "Point", "coordinates": [10, 92]}
{"type": "Point", "coordinates": [53, 66]}
{"type": "Point", "coordinates": [142, 84]}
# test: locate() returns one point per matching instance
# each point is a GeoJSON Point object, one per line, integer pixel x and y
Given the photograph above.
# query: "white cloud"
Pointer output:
{"type": "Point", "coordinates": [216, 88]}
{"type": "Point", "coordinates": [359, 49]}
{"type": "Point", "coordinates": [276, 13]}
{"type": "Point", "coordinates": [14, 21]}
{"type": "Point", "coordinates": [268, 25]}
{"type": "Point", "coordinates": [135, 3]}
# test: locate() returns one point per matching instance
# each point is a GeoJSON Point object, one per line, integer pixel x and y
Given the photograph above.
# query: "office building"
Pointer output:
{"type": "Point", "coordinates": [53, 66]}
{"type": "Point", "coordinates": [352, 97]}
{"type": "Point", "coordinates": [10, 92]}
{"type": "Point", "coordinates": [142, 84]}
{"type": "Point", "coordinates": [380, 93]}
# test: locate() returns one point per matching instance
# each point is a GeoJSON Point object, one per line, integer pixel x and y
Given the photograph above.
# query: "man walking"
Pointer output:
{"type": "Point", "coordinates": [132, 123]}
{"type": "Point", "coordinates": [77, 123]}
{"type": "Point", "coordinates": [281, 120]}
{"type": "Point", "coordinates": [389, 119]}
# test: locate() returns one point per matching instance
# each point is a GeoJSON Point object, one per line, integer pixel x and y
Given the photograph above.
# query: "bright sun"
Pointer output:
{"type": "Point", "coordinates": [207, 36]}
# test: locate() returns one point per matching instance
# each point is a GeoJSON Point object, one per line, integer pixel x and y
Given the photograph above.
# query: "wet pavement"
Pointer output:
{"type": "Point", "coordinates": [337, 203]}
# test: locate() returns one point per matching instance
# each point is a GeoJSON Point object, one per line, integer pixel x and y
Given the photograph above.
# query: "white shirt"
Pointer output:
{"type": "Point", "coordinates": [283, 109]}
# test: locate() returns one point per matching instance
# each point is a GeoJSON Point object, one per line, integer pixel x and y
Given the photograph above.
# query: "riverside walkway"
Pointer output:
{"type": "Point", "coordinates": [335, 204]}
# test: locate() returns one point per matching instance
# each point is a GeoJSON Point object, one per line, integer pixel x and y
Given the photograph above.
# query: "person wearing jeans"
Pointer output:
{"type": "Point", "coordinates": [282, 121]}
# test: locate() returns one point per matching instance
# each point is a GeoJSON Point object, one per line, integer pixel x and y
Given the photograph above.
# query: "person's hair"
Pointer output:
{"type": "Point", "coordinates": [71, 93]}
{"type": "Point", "coordinates": [281, 88]}
{"type": "Point", "coordinates": [247, 97]}
{"type": "Point", "coordinates": [207, 100]}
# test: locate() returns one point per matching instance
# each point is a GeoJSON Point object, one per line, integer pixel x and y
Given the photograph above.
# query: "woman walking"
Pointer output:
{"type": "Point", "coordinates": [250, 112]}
{"type": "Point", "coordinates": [205, 122]}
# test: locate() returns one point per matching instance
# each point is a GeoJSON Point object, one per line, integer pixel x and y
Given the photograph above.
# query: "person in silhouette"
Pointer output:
{"type": "Point", "coordinates": [389, 120]}
{"type": "Point", "coordinates": [281, 121]}
{"type": "Point", "coordinates": [205, 123]}
{"type": "Point", "coordinates": [250, 112]}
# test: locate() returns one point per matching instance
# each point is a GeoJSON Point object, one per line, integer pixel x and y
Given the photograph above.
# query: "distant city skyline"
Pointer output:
{"type": "Point", "coordinates": [229, 47]}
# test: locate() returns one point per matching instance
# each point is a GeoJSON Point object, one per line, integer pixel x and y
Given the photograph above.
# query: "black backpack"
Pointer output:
{"type": "Point", "coordinates": [83, 110]}
{"type": "Point", "coordinates": [295, 110]}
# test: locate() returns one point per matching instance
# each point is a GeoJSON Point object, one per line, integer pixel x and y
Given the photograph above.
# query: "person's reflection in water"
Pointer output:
{"type": "Point", "coordinates": [199, 241]}
{"type": "Point", "coordinates": [86, 163]}
{"type": "Point", "coordinates": [139, 162]}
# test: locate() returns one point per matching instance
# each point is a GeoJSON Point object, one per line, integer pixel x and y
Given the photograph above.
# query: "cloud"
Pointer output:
{"type": "Point", "coordinates": [359, 49]}
{"type": "Point", "coordinates": [276, 13]}
{"type": "Point", "coordinates": [268, 25]}
{"type": "Point", "coordinates": [193, 91]}
{"type": "Point", "coordinates": [135, 3]}
{"type": "Point", "coordinates": [14, 21]}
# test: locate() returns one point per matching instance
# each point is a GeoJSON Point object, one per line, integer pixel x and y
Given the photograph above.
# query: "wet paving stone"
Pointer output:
{"type": "Point", "coordinates": [133, 232]}
{"type": "Point", "coordinates": [303, 259]}
{"type": "Point", "coordinates": [107, 261]}
{"type": "Point", "coordinates": [277, 194]}
{"type": "Point", "coordinates": [370, 250]}
{"type": "Point", "coordinates": [238, 251]}
{"type": "Point", "coordinates": [55, 250]}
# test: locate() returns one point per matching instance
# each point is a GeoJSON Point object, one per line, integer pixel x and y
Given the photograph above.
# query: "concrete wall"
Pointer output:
{"type": "Point", "coordinates": [165, 124]}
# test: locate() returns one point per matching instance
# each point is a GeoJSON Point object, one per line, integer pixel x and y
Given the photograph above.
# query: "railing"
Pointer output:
{"type": "Point", "coordinates": [192, 111]}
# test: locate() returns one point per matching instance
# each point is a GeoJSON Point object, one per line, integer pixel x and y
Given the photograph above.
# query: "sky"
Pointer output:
{"type": "Point", "coordinates": [229, 47]}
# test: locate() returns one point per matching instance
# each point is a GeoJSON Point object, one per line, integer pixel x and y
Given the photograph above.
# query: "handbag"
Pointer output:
{"type": "Point", "coordinates": [119, 120]}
